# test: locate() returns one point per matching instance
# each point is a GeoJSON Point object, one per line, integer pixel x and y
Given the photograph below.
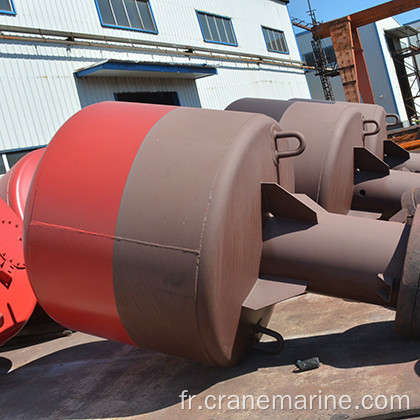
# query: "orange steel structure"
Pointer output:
{"type": "Point", "coordinates": [348, 48]}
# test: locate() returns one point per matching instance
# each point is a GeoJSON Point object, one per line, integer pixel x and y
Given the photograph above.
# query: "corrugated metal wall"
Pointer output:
{"type": "Point", "coordinates": [97, 89]}
{"type": "Point", "coordinates": [38, 89]}
{"type": "Point", "coordinates": [175, 19]}
{"type": "Point", "coordinates": [255, 81]}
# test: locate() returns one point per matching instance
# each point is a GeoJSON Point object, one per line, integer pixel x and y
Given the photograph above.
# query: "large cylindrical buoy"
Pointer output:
{"type": "Point", "coordinates": [152, 213]}
{"type": "Point", "coordinates": [17, 299]}
{"type": "Point", "coordinates": [14, 189]}
{"type": "Point", "coordinates": [15, 184]}
{"type": "Point", "coordinates": [342, 168]}
{"type": "Point", "coordinates": [176, 229]}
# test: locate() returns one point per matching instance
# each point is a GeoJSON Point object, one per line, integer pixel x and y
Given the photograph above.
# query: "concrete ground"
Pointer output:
{"type": "Point", "coordinates": [84, 377]}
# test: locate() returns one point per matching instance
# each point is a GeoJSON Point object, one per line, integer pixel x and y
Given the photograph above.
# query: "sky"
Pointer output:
{"type": "Point", "coordinates": [326, 10]}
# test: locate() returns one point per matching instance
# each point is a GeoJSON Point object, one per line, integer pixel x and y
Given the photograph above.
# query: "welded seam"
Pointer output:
{"type": "Point", "coordinates": [323, 177]}
{"type": "Point", "coordinates": [115, 238]}
{"type": "Point", "coordinates": [203, 228]}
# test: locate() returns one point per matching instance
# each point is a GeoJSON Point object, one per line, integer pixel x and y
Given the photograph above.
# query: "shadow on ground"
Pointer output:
{"type": "Point", "coordinates": [106, 379]}
{"type": "Point", "coordinates": [5, 365]}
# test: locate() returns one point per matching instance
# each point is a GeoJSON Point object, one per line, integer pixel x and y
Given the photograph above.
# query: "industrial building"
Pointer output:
{"type": "Point", "coordinates": [57, 57]}
{"type": "Point", "coordinates": [392, 71]}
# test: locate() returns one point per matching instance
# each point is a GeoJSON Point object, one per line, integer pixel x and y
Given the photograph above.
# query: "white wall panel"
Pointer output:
{"type": "Point", "coordinates": [97, 89]}
{"type": "Point", "coordinates": [232, 84]}
{"type": "Point", "coordinates": [176, 20]}
{"type": "Point", "coordinates": [38, 89]}
{"type": "Point", "coordinates": [391, 73]}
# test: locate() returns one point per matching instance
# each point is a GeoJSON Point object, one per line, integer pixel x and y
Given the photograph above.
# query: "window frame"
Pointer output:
{"type": "Point", "coordinates": [129, 28]}
{"type": "Point", "coordinates": [287, 52]}
{"type": "Point", "coordinates": [5, 153]}
{"type": "Point", "coordinates": [327, 52]}
{"type": "Point", "coordinates": [310, 62]}
{"type": "Point", "coordinates": [9, 12]}
{"type": "Point", "coordinates": [235, 44]}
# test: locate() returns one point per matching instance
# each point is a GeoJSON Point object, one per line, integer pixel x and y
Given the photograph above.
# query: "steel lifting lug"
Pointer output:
{"type": "Point", "coordinates": [396, 122]}
{"type": "Point", "coordinates": [375, 130]}
{"type": "Point", "coordinates": [288, 153]}
{"type": "Point", "coordinates": [272, 347]}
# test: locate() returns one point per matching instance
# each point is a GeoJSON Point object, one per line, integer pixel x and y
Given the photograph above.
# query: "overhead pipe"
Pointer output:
{"type": "Point", "coordinates": [153, 47]}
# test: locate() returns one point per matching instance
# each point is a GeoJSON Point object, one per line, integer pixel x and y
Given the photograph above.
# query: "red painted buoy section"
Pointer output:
{"type": "Point", "coordinates": [15, 184]}
{"type": "Point", "coordinates": [17, 299]}
{"type": "Point", "coordinates": [143, 225]}
{"type": "Point", "coordinates": [73, 208]}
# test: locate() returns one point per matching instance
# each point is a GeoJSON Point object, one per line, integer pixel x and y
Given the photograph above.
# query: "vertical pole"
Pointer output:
{"type": "Point", "coordinates": [341, 35]}
{"type": "Point", "coordinates": [361, 70]}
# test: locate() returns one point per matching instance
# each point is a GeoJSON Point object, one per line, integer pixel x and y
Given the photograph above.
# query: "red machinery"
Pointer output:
{"type": "Point", "coordinates": [176, 229]}
{"type": "Point", "coordinates": [15, 184]}
{"type": "Point", "coordinates": [17, 299]}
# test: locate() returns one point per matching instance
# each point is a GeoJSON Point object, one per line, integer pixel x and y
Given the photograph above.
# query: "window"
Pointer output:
{"type": "Point", "coordinates": [127, 14]}
{"type": "Point", "coordinates": [329, 56]}
{"type": "Point", "coordinates": [309, 59]}
{"type": "Point", "coordinates": [217, 29]}
{"type": "Point", "coordinates": [275, 40]}
{"type": "Point", "coordinates": [7, 6]}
